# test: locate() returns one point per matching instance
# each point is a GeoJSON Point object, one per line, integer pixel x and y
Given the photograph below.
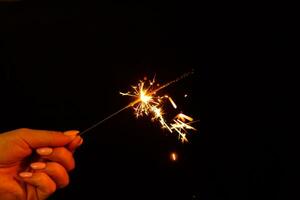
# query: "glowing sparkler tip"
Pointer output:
{"type": "Point", "coordinates": [144, 97]}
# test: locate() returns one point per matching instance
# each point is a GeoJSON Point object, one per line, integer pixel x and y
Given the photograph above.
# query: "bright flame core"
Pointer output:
{"type": "Point", "coordinates": [144, 98]}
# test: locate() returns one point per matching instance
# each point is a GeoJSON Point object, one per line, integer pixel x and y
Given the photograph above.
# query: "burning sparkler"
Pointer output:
{"type": "Point", "coordinates": [147, 103]}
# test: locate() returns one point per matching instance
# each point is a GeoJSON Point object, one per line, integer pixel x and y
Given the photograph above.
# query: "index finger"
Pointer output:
{"type": "Point", "coordinates": [42, 138]}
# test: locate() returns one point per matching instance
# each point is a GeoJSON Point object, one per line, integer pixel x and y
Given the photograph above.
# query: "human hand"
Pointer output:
{"type": "Point", "coordinates": [34, 163]}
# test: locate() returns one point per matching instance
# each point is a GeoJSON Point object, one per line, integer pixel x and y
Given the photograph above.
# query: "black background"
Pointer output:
{"type": "Point", "coordinates": [62, 66]}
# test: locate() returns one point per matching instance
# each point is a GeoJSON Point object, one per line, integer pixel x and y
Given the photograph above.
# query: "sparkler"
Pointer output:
{"type": "Point", "coordinates": [148, 103]}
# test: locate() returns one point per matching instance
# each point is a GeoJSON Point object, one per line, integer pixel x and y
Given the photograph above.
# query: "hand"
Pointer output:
{"type": "Point", "coordinates": [34, 163]}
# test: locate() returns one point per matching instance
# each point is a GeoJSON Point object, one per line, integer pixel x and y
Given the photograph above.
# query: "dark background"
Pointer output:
{"type": "Point", "coordinates": [62, 66]}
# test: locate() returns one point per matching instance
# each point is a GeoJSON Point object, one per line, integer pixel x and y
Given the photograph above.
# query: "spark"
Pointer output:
{"type": "Point", "coordinates": [148, 103]}
{"type": "Point", "coordinates": [174, 156]}
{"type": "Point", "coordinates": [158, 114]}
{"type": "Point", "coordinates": [172, 102]}
{"type": "Point", "coordinates": [145, 101]}
{"type": "Point", "coordinates": [184, 117]}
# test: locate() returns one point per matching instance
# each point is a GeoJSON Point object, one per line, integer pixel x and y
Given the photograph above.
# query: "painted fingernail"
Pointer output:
{"type": "Point", "coordinates": [44, 151]}
{"type": "Point", "coordinates": [38, 165]}
{"type": "Point", "coordinates": [25, 174]}
{"type": "Point", "coordinates": [81, 141]}
{"type": "Point", "coordinates": [71, 133]}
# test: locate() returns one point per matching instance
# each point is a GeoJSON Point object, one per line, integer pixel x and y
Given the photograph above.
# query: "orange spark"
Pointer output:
{"type": "Point", "coordinates": [174, 156]}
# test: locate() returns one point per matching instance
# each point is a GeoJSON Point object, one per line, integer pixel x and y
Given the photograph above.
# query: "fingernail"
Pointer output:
{"type": "Point", "coordinates": [38, 165]}
{"type": "Point", "coordinates": [25, 174]}
{"type": "Point", "coordinates": [81, 141]}
{"type": "Point", "coordinates": [71, 133]}
{"type": "Point", "coordinates": [45, 151]}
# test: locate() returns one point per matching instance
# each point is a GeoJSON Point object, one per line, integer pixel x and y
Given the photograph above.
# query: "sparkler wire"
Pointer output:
{"type": "Point", "coordinates": [103, 120]}
{"type": "Point", "coordinates": [135, 102]}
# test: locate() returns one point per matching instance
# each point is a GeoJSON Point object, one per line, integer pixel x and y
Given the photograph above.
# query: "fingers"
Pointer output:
{"type": "Point", "coordinates": [59, 154]}
{"type": "Point", "coordinates": [54, 170]}
{"type": "Point", "coordinates": [47, 177]}
{"type": "Point", "coordinates": [76, 142]}
{"type": "Point", "coordinates": [44, 184]}
{"type": "Point", "coordinates": [72, 146]}
{"type": "Point", "coordinates": [42, 138]}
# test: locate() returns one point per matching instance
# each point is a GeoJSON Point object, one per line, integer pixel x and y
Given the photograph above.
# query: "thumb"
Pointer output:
{"type": "Point", "coordinates": [42, 138]}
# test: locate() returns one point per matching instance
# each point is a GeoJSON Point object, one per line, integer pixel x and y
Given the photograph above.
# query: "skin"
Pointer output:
{"type": "Point", "coordinates": [35, 163]}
